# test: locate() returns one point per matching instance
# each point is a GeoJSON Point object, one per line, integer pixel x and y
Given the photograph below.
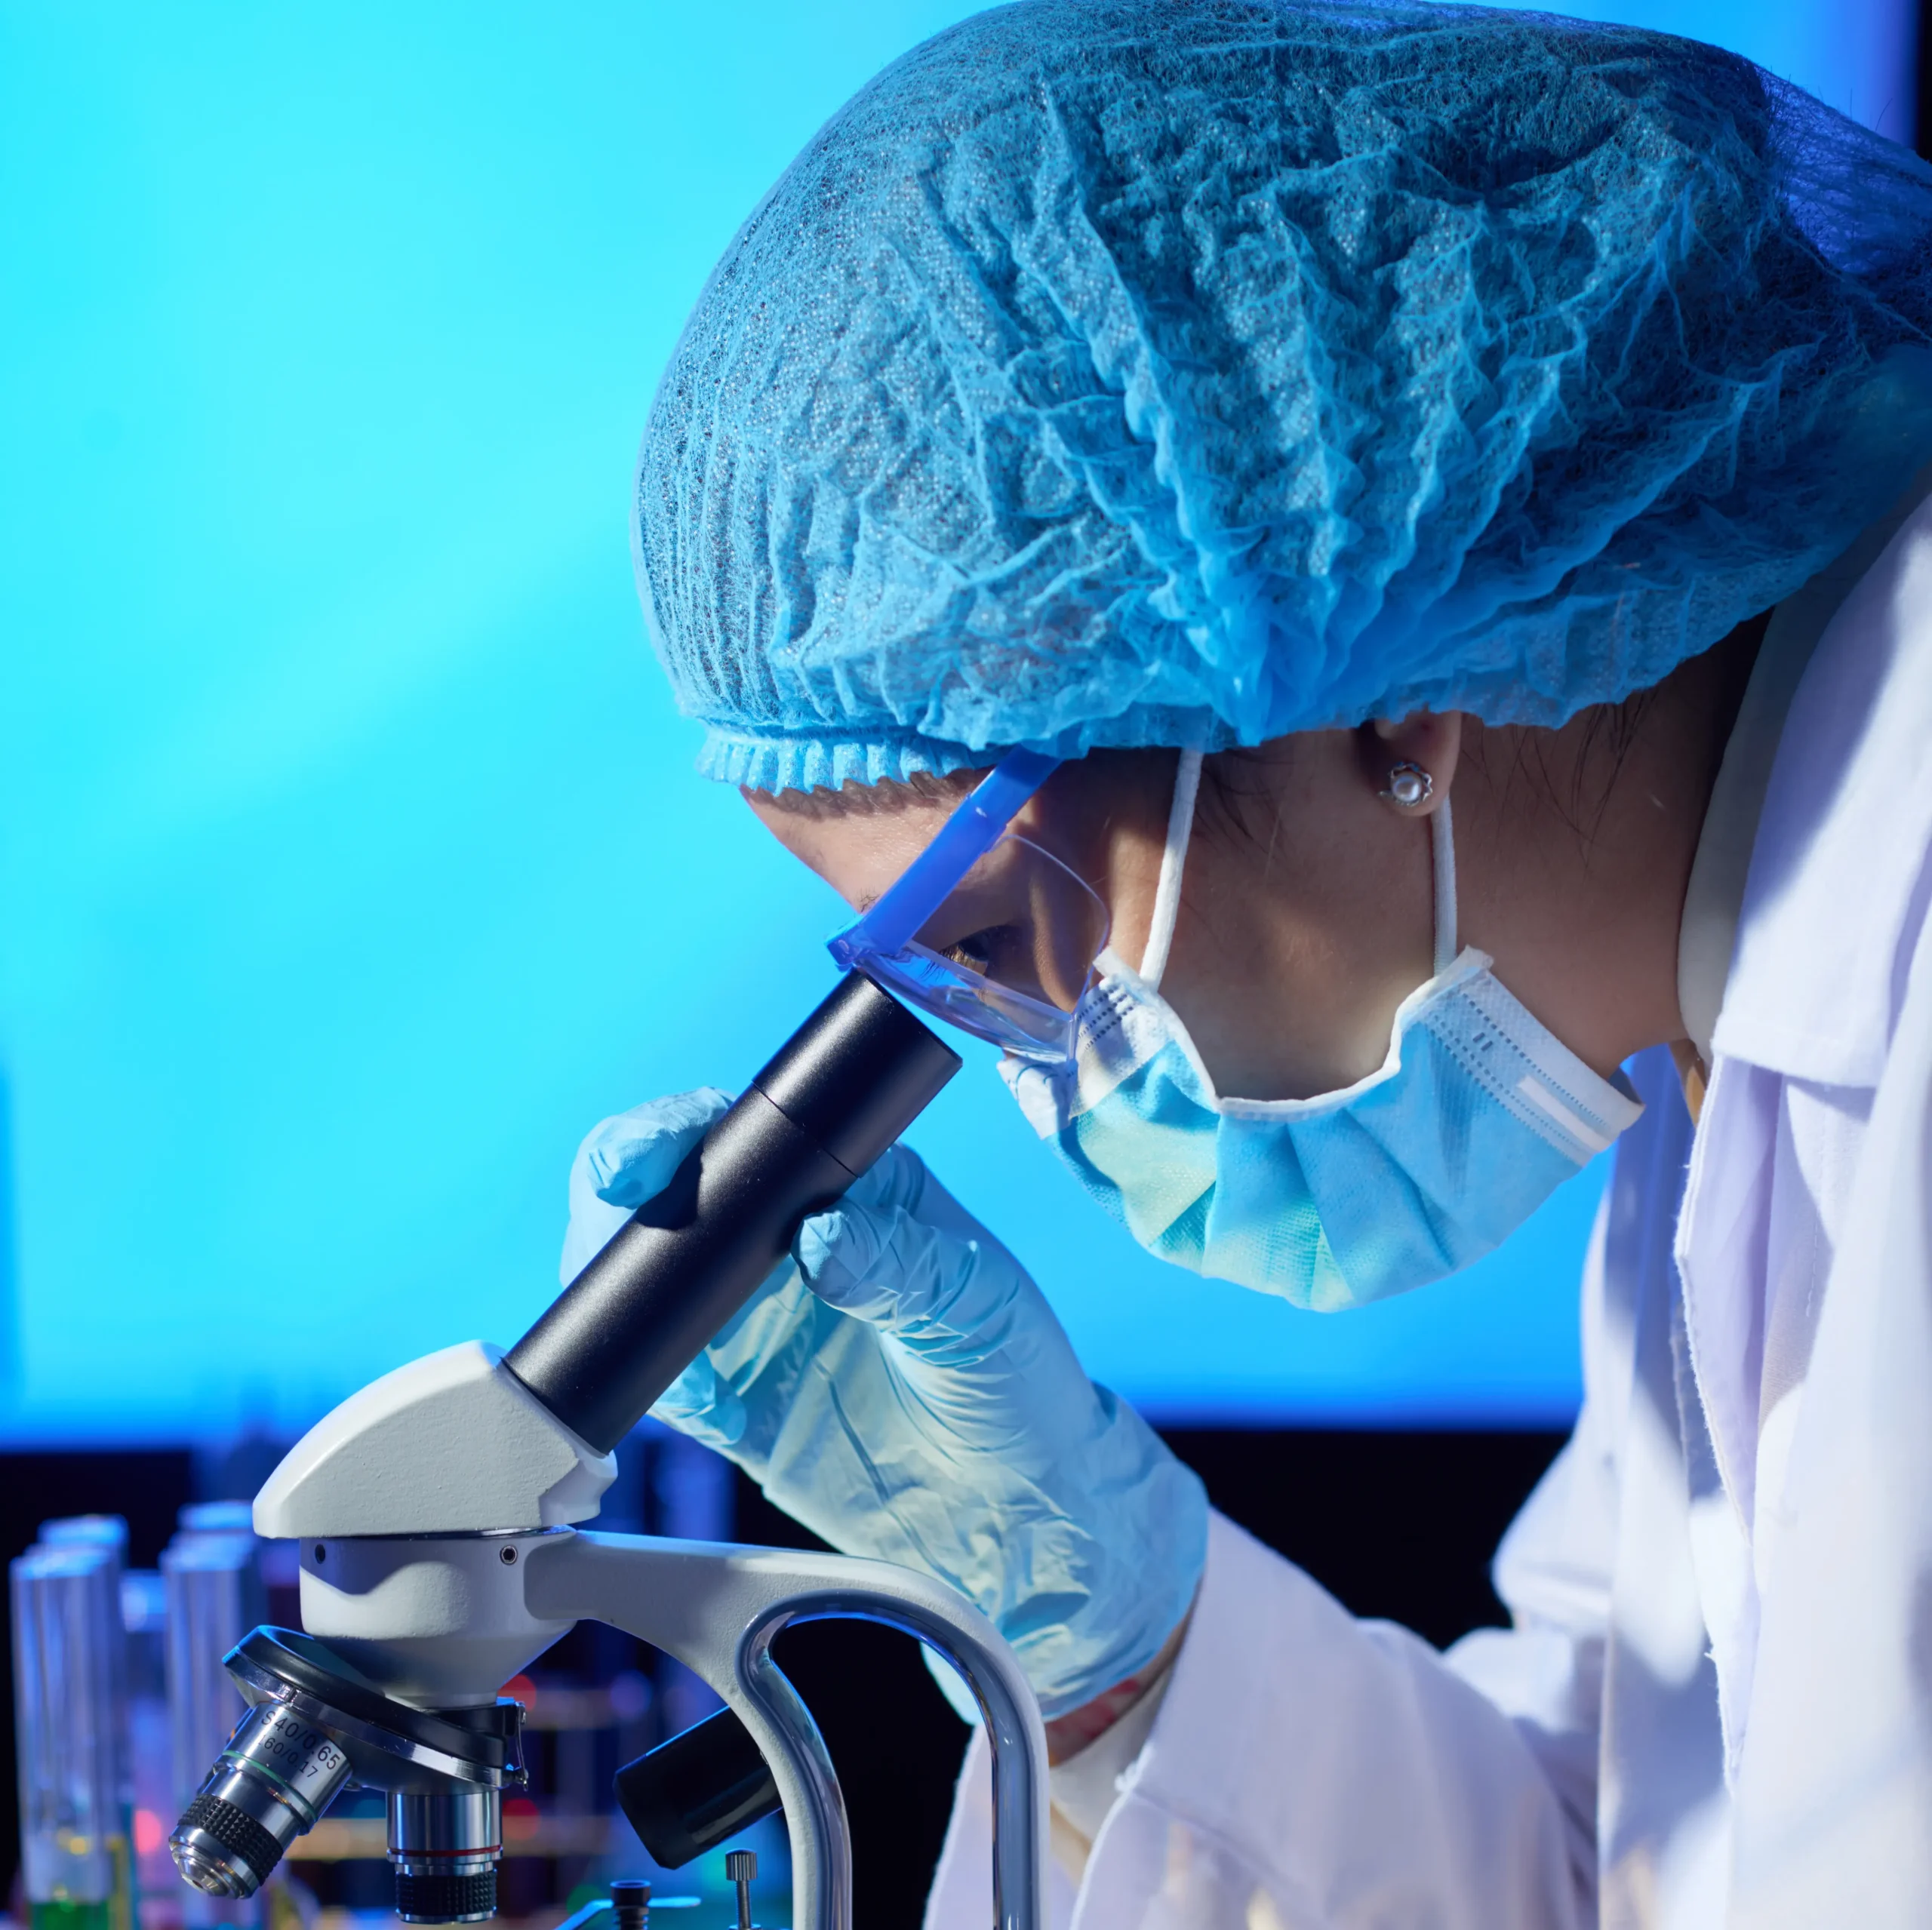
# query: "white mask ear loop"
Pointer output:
{"type": "Point", "coordinates": [1442, 848]}
{"type": "Point", "coordinates": [1173, 856]}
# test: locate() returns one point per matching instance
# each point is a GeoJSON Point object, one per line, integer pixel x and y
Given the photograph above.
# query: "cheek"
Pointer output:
{"type": "Point", "coordinates": [1288, 964]}
{"type": "Point", "coordinates": [1128, 895]}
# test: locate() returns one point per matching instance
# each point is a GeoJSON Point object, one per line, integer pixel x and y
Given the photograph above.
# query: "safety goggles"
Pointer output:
{"type": "Point", "coordinates": [984, 930]}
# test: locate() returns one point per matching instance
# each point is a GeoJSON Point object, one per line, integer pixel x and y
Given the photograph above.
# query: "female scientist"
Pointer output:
{"type": "Point", "coordinates": [1346, 583]}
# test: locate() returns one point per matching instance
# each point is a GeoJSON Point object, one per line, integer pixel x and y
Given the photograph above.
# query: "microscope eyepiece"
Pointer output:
{"type": "Point", "coordinates": [832, 1098]}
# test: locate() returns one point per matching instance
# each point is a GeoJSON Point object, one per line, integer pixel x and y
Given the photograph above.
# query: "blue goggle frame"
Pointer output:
{"type": "Point", "coordinates": [932, 878]}
{"type": "Point", "coordinates": [882, 942]}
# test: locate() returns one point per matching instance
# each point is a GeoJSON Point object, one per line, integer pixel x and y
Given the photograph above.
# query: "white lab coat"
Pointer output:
{"type": "Point", "coordinates": [1715, 1706]}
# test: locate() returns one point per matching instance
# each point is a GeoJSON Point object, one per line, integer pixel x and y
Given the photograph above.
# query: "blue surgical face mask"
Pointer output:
{"type": "Point", "coordinates": [1473, 1118]}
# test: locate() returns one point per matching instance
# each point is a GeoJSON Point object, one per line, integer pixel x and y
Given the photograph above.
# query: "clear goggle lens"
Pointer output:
{"type": "Point", "coordinates": [1008, 957]}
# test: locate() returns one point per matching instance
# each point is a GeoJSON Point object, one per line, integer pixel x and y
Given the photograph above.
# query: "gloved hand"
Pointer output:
{"type": "Point", "coordinates": [903, 1388]}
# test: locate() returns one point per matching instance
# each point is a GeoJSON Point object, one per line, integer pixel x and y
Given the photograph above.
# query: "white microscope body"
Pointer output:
{"type": "Point", "coordinates": [435, 1514]}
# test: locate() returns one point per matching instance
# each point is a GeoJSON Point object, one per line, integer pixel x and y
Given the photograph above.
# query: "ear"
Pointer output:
{"type": "Point", "coordinates": [1431, 741]}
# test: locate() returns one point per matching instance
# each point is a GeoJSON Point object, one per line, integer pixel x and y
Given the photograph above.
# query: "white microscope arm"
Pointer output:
{"type": "Point", "coordinates": [717, 1610]}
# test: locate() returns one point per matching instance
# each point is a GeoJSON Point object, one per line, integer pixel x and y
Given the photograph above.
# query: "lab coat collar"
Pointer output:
{"type": "Point", "coordinates": [1816, 984]}
{"type": "Point", "coordinates": [1816, 977]}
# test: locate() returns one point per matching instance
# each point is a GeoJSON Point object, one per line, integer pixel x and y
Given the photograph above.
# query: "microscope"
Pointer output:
{"type": "Point", "coordinates": [436, 1509]}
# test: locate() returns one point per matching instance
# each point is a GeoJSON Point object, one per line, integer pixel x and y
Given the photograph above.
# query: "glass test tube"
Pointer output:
{"type": "Point", "coordinates": [108, 1533]}
{"type": "Point", "coordinates": [144, 1616]}
{"type": "Point", "coordinates": [218, 1518]}
{"type": "Point", "coordinates": [213, 1578]}
{"type": "Point", "coordinates": [74, 1859]}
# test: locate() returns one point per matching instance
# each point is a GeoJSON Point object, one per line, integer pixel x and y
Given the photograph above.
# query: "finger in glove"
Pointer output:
{"type": "Point", "coordinates": [940, 1294]}
{"type": "Point", "coordinates": [630, 1158]}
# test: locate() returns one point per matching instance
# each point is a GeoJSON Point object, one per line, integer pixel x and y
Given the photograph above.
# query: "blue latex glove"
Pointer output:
{"type": "Point", "coordinates": [903, 1388]}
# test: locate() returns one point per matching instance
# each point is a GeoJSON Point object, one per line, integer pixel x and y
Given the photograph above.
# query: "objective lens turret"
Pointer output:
{"type": "Point", "coordinates": [317, 1723]}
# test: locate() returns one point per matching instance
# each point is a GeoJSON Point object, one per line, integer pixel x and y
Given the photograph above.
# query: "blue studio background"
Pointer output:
{"type": "Point", "coordinates": [352, 864]}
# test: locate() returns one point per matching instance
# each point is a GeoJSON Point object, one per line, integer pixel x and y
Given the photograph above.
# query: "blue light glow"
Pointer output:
{"type": "Point", "coordinates": [352, 862]}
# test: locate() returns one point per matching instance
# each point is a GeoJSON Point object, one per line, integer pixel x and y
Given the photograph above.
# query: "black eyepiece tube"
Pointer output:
{"type": "Point", "coordinates": [839, 1091]}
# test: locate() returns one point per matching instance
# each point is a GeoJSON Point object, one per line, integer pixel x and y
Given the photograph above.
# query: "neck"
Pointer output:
{"type": "Point", "coordinates": [1575, 847]}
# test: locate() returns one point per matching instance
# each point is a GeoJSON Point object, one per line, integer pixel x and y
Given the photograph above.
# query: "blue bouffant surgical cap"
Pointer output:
{"type": "Point", "coordinates": [1169, 372]}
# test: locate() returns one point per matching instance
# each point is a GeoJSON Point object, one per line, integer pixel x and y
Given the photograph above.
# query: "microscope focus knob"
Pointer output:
{"type": "Point", "coordinates": [740, 1867]}
{"type": "Point", "coordinates": [690, 1794]}
{"type": "Point", "coordinates": [630, 1904]}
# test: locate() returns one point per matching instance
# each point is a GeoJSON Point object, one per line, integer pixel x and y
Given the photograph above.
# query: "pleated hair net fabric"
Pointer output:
{"type": "Point", "coordinates": [1160, 372]}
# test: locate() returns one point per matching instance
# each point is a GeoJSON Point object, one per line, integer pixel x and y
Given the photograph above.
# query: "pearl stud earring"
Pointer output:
{"type": "Point", "coordinates": [1409, 785]}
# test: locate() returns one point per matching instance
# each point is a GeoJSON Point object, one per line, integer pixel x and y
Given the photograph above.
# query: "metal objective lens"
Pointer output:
{"type": "Point", "coordinates": [274, 1780]}
{"type": "Point", "coordinates": [444, 1845]}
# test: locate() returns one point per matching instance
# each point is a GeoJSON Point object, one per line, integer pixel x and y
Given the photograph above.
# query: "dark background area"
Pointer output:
{"type": "Point", "coordinates": [1396, 1525]}
{"type": "Point", "coordinates": [147, 1487]}
{"type": "Point", "coordinates": [1401, 1525]}
{"type": "Point", "coordinates": [1923, 120]}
